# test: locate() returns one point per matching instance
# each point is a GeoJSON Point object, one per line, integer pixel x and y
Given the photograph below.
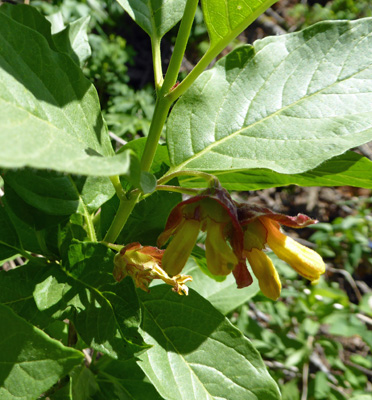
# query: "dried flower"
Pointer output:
{"type": "Point", "coordinates": [143, 264]}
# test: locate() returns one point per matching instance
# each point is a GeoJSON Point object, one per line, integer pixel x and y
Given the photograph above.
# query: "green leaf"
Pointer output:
{"type": "Point", "coordinates": [224, 296]}
{"type": "Point", "coordinates": [49, 112]}
{"type": "Point", "coordinates": [197, 353]}
{"type": "Point", "coordinates": [287, 104]}
{"type": "Point", "coordinates": [37, 231]}
{"type": "Point", "coordinates": [16, 291]}
{"type": "Point", "coordinates": [226, 19]}
{"type": "Point", "coordinates": [47, 191]}
{"type": "Point", "coordinates": [30, 361]}
{"type": "Point", "coordinates": [83, 384]}
{"type": "Point", "coordinates": [9, 242]}
{"type": "Point", "coordinates": [148, 218]}
{"type": "Point", "coordinates": [148, 182]}
{"type": "Point", "coordinates": [350, 169]}
{"type": "Point", "coordinates": [155, 17]}
{"type": "Point", "coordinates": [106, 314]}
{"type": "Point", "coordinates": [94, 191]}
{"type": "Point", "coordinates": [31, 18]}
{"type": "Point", "coordinates": [124, 380]}
{"type": "Point", "coordinates": [73, 40]}
{"type": "Point", "coordinates": [161, 160]}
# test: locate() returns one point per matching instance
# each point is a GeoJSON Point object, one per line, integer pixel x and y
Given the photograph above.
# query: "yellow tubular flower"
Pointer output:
{"type": "Point", "coordinates": [179, 249]}
{"type": "Point", "coordinates": [303, 260]}
{"type": "Point", "coordinates": [265, 272]}
{"type": "Point", "coordinates": [221, 259]}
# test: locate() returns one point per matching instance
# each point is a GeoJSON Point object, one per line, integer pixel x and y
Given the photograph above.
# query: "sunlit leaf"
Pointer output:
{"type": "Point", "coordinates": [287, 104]}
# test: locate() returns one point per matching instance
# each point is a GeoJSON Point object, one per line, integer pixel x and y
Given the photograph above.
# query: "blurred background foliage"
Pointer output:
{"type": "Point", "coordinates": [317, 340]}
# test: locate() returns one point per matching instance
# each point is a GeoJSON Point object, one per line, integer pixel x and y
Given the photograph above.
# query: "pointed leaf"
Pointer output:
{"type": "Point", "coordinates": [49, 112]}
{"type": "Point", "coordinates": [197, 353]}
{"type": "Point", "coordinates": [226, 19]}
{"type": "Point", "coordinates": [155, 17]}
{"type": "Point", "coordinates": [73, 40]}
{"type": "Point", "coordinates": [30, 361]}
{"type": "Point", "coordinates": [287, 104]}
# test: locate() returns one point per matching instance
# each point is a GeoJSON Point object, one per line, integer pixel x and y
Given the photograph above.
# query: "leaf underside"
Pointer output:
{"type": "Point", "coordinates": [287, 104]}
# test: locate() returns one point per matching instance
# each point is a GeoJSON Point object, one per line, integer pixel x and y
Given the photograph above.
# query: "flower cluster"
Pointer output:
{"type": "Point", "coordinates": [235, 233]}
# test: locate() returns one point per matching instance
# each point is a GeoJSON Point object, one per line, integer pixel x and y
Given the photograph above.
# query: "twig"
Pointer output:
{"type": "Point", "coordinates": [364, 318]}
{"type": "Point", "coordinates": [349, 278]}
{"type": "Point", "coordinates": [365, 371]}
{"type": "Point", "coordinates": [305, 371]}
{"type": "Point", "coordinates": [292, 372]}
{"type": "Point", "coordinates": [305, 378]}
{"type": "Point", "coordinates": [117, 138]}
{"type": "Point", "coordinates": [318, 362]}
{"type": "Point", "coordinates": [344, 393]}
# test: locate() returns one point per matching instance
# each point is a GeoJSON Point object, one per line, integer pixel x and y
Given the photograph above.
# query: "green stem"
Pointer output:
{"type": "Point", "coordinates": [208, 177]}
{"type": "Point", "coordinates": [115, 180]}
{"type": "Point", "coordinates": [162, 107]}
{"type": "Point", "coordinates": [180, 45]}
{"type": "Point", "coordinates": [90, 226]}
{"type": "Point", "coordinates": [178, 189]}
{"type": "Point", "coordinates": [156, 60]}
{"type": "Point", "coordinates": [214, 50]}
{"type": "Point", "coordinates": [121, 217]}
{"type": "Point", "coordinates": [208, 57]}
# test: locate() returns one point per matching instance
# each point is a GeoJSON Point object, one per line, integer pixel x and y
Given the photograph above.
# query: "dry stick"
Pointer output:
{"type": "Point", "coordinates": [305, 371]}
{"type": "Point", "coordinates": [349, 278]}
{"type": "Point", "coordinates": [364, 318]}
{"type": "Point", "coordinates": [365, 371]}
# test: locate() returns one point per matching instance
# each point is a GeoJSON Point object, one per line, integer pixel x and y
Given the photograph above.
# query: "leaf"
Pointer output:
{"type": "Point", "coordinates": [94, 191]}
{"type": "Point", "coordinates": [197, 353]}
{"type": "Point", "coordinates": [49, 112]}
{"type": "Point", "coordinates": [84, 383]}
{"type": "Point", "coordinates": [287, 104]}
{"type": "Point", "coordinates": [350, 169]}
{"type": "Point", "coordinates": [105, 313]}
{"type": "Point", "coordinates": [124, 380]}
{"type": "Point", "coordinates": [148, 182]}
{"type": "Point", "coordinates": [226, 19]}
{"type": "Point", "coordinates": [161, 158]}
{"type": "Point", "coordinates": [47, 191]}
{"type": "Point", "coordinates": [9, 242]}
{"type": "Point", "coordinates": [16, 288]}
{"type": "Point", "coordinates": [30, 361]}
{"type": "Point", "coordinates": [37, 231]}
{"type": "Point", "coordinates": [148, 218]}
{"type": "Point", "coordinates": [224, 296]}
{"type": "Point", "coordinates": [31, 18]}
{"type": "Point", "coordinates": [155, 17]}
{"type": "Point", "coordinates": [73, 40]}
